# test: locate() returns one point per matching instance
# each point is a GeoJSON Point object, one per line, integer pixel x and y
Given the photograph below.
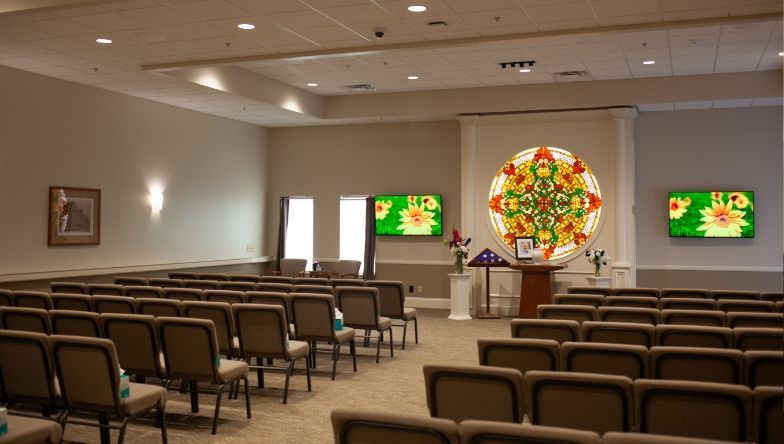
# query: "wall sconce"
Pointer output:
{"type": "Point", "coordinates": [156, 201]}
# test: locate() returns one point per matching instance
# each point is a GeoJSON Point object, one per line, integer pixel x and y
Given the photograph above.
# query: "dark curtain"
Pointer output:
{"type": "Point", "coordinates": [370, 238]}
{"type": "Point", "coordinates": [283, 223]}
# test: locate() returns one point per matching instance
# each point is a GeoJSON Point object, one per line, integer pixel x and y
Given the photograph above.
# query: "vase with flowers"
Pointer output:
{"type": "Point", "coordinates": [597, 258]}
{"type": "Point", "coordinates": [459, 249]}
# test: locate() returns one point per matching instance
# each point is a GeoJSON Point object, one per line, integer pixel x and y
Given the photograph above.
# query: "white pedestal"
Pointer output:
{"type": "Point", "coordinates": [460, 292]}
{"type": "Point", "coordinates": [599, 281]}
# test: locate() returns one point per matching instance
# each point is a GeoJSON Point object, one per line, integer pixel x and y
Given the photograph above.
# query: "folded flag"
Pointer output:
{"type": "Point", "coordinates": [488, 257]}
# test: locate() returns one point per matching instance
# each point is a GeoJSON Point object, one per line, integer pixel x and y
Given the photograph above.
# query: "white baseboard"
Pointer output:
{"type": "Point", "coordinates": [441, 303]}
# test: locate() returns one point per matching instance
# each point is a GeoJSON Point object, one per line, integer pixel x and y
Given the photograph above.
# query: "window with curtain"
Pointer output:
{"type": "Point", "coordinates": [299, 232]}
{"type": "Point", "coordinates": [352, 229]}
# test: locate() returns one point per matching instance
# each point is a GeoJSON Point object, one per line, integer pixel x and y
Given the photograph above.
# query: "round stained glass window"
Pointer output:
{"type": "Point", "coordinates": [549, 194]}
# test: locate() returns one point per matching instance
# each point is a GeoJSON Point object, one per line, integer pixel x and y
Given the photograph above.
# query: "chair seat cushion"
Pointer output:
{"type": "Point", "coordinates": [409, 313]}
{"type": "Point", "coordinates": [297, 349]}
{"type": "Point", "coordinates": [384, 323]}
{"type": "Point", "coordinates": [231, 370]}
{"type": "Point", "coordinates": [345, 335]}
{"type": "Point", "coordinates": [23, 430]}
{"type": "Point", "coordinates": [142, 398]}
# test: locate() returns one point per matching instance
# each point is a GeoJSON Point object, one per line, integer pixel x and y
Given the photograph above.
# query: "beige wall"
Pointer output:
{"type": "Point", "coordinates": [53, 132]}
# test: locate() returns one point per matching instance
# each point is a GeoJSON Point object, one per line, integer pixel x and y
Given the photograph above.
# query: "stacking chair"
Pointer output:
{"type": "Point", "coordinates": [228, 296]}
{"type": "Point", "coordinates": [361, 427]}
{"type": "Point", "coordinates": [592, 300]}
{"type": "Point", "coordinates": [474, 392]}
{"type": "Point", "coordinates": [310, 281]}
{"type": "Point", "coordinates": [345, 269]}
{"type": "Point", "coordinates": [190, 351]}
{"type": "Point", "coordinates": [165, 282]}
{"type": "Point", "coordinates": [220, 315]}
{"type": "Point", "coordinates": [721, 295]}
{"type": "Point", "coordinates": [159, 307]}
{"type": "Point", "coordinates": [693, 336]}
{"type": "Point", "coordinates": [763, 320]}
{"type": "Point", "coordinates": [27, 372]}
{"type": "Point", "coordinates": [768, 414]}
{"type": "Point", "coordinates": [32, 299]}
{"type": "Point", "coordinates": [271, 298]}
{"type": "Point", "coordinates": [105, 289]}
{"type": "Point", "coordinates": [23, 429]}
{"type": "Point", "coordinates": [114, 304]}
{"type": "Point", "coordinates": [32, 320]}
{"type": "Point", "coordinates": [291, 267]}
{"type": "Point", "coordinates": [392, 298]}
{"type": "Point", "coordinates": [585, 401]}
{"type": "Point", "coordinates": [632, 301]}
{"type": "Point", "coordinates": [314, 320]}
{"type": "Point", "coordinates": [687, 304]}
{"type": "Point", "coordinates": [275, 287]}
{"type": "Point", "coordinates": [730, 305]}
{"type": "Point", "coordinates": [313, 289]}
{"type": "Point", "coordinates": [135, 339]}
{"type": "Point", "coordinates": [277, 280]}
{"type": "Point", "coordinates": [693, 409]}
{"type": "Point", "coordinates": [262, 332]}
{"type": "Point", "coordinates": [690, 293]}
{"type": "Point", "coordinates": [780, 306]}
{"type": "Point", "coordinates": [220, 277]}
{"type": "Point", "coordinates": [649, 438]}
{"type": "Point", "coordinates": [626, 314]}
{"type": "Point", "coordinates": [6, 298]}
{"type": "Point", "coordinates": [747, 338]}
{"type": "Point", "coordinates": [237, 286]}
{"type": "Point", "coordinates": [606, 359]}
{"type": "Point", "coordinates": [350, 283]}
{"type": "Point", "coordinates": [87, 369]}
{"type": "Point", "coordinates": [74, 302]}
{"type": "Point", "coordinates": [182, 275]}
{"type": "Point", "coordinates": [131, 281]}
{"type": "Point", "coordinates": [697, 364]}
{"type": "Point", "coordinates": [763, 368]}
{"type": "Point", "coordinates": [362, 311]}
{"type": "Point", "coordinates": [705, 318]}
{"type": "Point", "coordinates": [491, 432]}
{"type": "Point", "coordinates": [618, 333]}
{"type": "Point", "coordinates": [76, 323]}
{"type": "Point", "coordinates": [68, 287]}
{"type": "Point", "coordinates": [200, 284]}
{"type": "Point", "coordinates": [579, 313]}
{"type": "Point", "coordinates": [590, 290]}
{"type": "Point", "coordinates": [135, 291]}
{"type": "Point", "coordinates": [520, 354]}
{"type": "Point", "coordinates": [555, 329]}
{"type": "Point", "coordinates": [183, 294]}
{"type": "Point", "coordinates": [252, 278]}
{"type": "Point", "coordinates": [772, 296]}
{"type": "Point", "coordinates": [636, 292]}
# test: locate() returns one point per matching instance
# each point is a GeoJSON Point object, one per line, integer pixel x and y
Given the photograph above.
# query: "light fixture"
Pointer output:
{"type": "Point", "coordinates": [156, 201]}
{"type": "Point", "coordinates": [103, 40]}
{"type": "Point", "coordinates": [247, 26]}
{"type": "Point", "coordinates": [413, 77]}
{"type": "Point", "coordinates": [312, 84]}
{"type": "Point", "coordinates": [781, 53]}
{"type": "Point", "coordinates": [525, 70]}
{"type": "Point", "coordinates": [648, 62]}
{"type": "Point", "coordinates": [417, 8]}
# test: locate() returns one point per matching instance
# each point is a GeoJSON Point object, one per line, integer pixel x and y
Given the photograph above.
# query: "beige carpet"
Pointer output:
{"type": "Point", "coordinates": [395, 384]}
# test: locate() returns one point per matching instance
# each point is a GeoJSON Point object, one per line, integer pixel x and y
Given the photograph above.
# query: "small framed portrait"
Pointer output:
{"type": "Point", "coordinates": [524, 247]}
{"type": "Point", "coordinates": [74, 216]}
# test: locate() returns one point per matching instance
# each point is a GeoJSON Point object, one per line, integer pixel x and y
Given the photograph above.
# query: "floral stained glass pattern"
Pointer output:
{"type": "Point", "coordinates": [549, 194]}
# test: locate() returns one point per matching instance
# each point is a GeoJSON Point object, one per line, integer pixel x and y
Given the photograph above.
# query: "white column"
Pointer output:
{"type": "Point", "coordinates": [624, 257]}
{"type": "Point", "coordinates": [468, 202]}
{"type": "Point", "coordinates": [460, 294]}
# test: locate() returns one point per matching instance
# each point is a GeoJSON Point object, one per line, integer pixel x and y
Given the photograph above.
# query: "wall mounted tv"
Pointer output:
{"type": "Point", "coordinates": [408, 215]}
{"type": "Point", "coordinates": [711, 213]}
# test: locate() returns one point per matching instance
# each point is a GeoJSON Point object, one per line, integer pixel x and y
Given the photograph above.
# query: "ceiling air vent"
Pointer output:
{"type": "Point", "coordinates": [573, 75]}
{"type": "Point", "coordinates": [360, 87]}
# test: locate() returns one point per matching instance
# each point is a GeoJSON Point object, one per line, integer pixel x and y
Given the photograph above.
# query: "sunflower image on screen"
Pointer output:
{"type": "Point", "coordinates": [712, 214]}
{"type": "Point", "coordinates": [408, 215]}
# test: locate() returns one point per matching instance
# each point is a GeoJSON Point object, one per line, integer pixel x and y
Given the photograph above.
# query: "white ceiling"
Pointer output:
{"type": "Point", "coordinates": [61, 43]}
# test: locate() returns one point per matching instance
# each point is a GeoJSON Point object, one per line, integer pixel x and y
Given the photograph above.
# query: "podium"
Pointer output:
{"type": "Point", "coordinates": [536, 286]}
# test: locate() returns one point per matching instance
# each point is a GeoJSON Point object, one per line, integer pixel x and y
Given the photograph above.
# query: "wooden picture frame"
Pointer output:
{"type": "Point", "coordinates": [524, 247]}
{"type": "Point", "coordinates": [74, 216]}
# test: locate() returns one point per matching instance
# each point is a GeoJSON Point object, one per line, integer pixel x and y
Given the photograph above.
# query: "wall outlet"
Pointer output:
{"type": "Point", "coordinates": [419, 289]}
{"type": "Point", "coordinates": [250, 248]}
{"type": "Point", "coordinates": [410, 288]}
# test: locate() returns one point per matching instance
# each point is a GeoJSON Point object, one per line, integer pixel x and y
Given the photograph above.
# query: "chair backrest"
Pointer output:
{"type": "Point", "coordinates": [310, 281]}
{"type": "Point", "coordinates": [695, 409]}
{"type": "Point", "coordinates": [763, 320]}
{"type": "Point", "coordinates": [579, 313]}
{"type": "Point", "coordinates": [590, 290]}
{"type": "Point", "coordinates": [228, 296]}
{"type": "Point", "coordinates": [359, 305]}
{"type": "Point", "coordinates": [592, 300]}
{"type": "Point", "coordinates": [562, 399]}
{"type": "Point", "coordinates": [159, 307]}
{"type": "Point", "coordinates": [729, 305]}
{"type": "Point", "coordinates": [271, 298]}
{"type": "Point", "coordinates": [73, 302]}
{"type": "Point", "coordinates": [68, 287]}
{"type": "Point", "coordinates": [26, 368]}
{"type": "Point", "coordinates": [220, 315]}
{"type": "Point", "coordinates": [32, 299]}
{"type": "Point", "coordinates": [619, 333]}
{"type": "Point", "coordinates": [491, 432]}
{"type": "Point", "coordinates": [183, 294]}
{"type": "Point", "coordinates": [317, 289]}
{"type": "Point", "coordinates": [607, 359]}
{"type": "Point", "coordinates": [238, 286]}
{"type": "Point", "coordinates": [262, 330]}
{"type": "Point", "coordinates": [763, 368]}
{"type": "Point", "coordinates": [636, 292]}
{"type": "Point", "coordinates": [391, 296]}
{"type": "Point", "coordinates": [76, 323]}
{"type": "Point", "coordinates": [140, 291]}
{"type": "Point", "coordinates": [114, 304]}
{"type": "Point", "coordinates": [200, 284]}
{"type": "Point", "coordinates": [252, 278]}
{"type": "Point", "coordinates": [706, 318]}
{"type": "Point", "coordinates": [772, 296]}
{"type": "Point", "coordinates": [105, 289]}
{"type": "Point", "coordinates": [183, 275]}
{"type": "Point", "coordinates": [348, 267]}
{"type": "Point", "coordinates": [190, 348]}
{"type": "Point", "coordinates": [277, 280]}
{"type": "Point", "coordinates": [474, 392]}
{"type": "Point", "coordinates": [696, 293]}
{"type": "Point", "coordinates": [628, 314]}
{"type": "Point", "coordinates": [747, 338]}
{"type": "Point", "coordinates": [693, 336]}
{"type": "Point", "coordinates": [292, 267]}
{"type": "Point", "coordinates": [131, 281]}
{"type": "Point", "coordinates": [649, 438]}
{"type": "Point", "coordinates": [349, 283]}
{"type": "Point", "coordinates": [360, 427]}
{"type": "Point", "coordinates": [520, 354]}
{"type": "Point", "coordinates": [555, 329]}
{"type": "Point", "coordinates": [314, 315]}
{"type": "Point", "coordinates": [721, 295]}
{"type": "Point", "coordinates": [214, 277]}
{"type": "Point", "coordinates": [687, 304]}
{"type": "Point", "coordinates": [632, 301]}
{"type": "Point", "coordinates": [165, 282]}
{"type": "Point", "coordinates": [697, 364]}
{"type": "Point", "coordinates": [275, 287]}
{"type": "Point", "coordinates": [768, 414]}
{"type": "Point", "coordinates": [33, 320]}
{"type": "Point", "coordinates": [6, 298]}
{"type": "Point", "coordinates": [135, 338]}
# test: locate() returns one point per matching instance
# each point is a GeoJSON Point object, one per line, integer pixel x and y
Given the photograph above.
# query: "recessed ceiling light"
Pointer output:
{"type": "Point", "coordinates": [781, 53]}
{"type": "Point", "coordinates": [525, 70]}
{"type": "Point", "coordinates": [103, 41]}
{"type": "Point", "coordinates": [246, 26]}
{"type": "Point", "coordinates": [648, 62]}
{"type": "Point", "coordinates": [413, 77]}
{"type": "Point", "coordinates": [417, 8]}
{"type": "Point", "coordinates": [312, 84]}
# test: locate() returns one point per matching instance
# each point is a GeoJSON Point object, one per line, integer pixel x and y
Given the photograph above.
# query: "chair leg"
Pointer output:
{"type": "Point", "coordinates": [162, 420]}
{"type": "Point", "coordinates": [260, 372]}
{"type": "Point", "coordinates": [313, 352]}
{"type": "Point", "coordinates": [379, 340]}
{"type": "Point", "coordinates": [121, 438]}
{"type": "Point", "coordinates": [247, 397]}
{"type": "Point", "coordinates": [307, 369]}
{"type": "Point", "coordinates": [353, 349]}
{"type": "Point", "coordinates": [140, 379]}
{"type": "Point", "coordinates": [367, 338]}
{"type": "Point", "coordinates": [105, 432]}
{"type": "Point", "coordinates": [405, 328]}
{"type": "Point", "coordinates": [194, 389]}
{"type": "Point", "coordinates": [391, 344]}
{"type": "Point", "coordinates": [416, 331]}
{"type": "Point", "coordinates": [217, 410]}
{"type": "Point", "coordinates": [289, 370]}
{"type": "Point", "coordinates": [335, 357]}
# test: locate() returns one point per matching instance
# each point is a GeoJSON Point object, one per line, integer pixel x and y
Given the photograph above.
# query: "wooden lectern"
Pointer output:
{"type": "Point", "coordinates": [536, 286]}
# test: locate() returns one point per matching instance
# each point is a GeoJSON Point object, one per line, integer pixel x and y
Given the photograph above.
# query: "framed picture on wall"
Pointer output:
{"type": "Point", "coordinates": [74, 216]}
{"type": "Point", "coordinates": [524, 247]}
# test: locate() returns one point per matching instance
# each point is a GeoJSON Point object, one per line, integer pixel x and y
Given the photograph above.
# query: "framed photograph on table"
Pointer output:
{"type": "Point", "coordinates": [524, 247]}
{"type": "Point", "coordinates": [74, 216]}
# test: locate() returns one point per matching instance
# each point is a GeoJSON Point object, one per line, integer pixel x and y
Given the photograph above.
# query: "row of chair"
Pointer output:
{"type": "Point", "coordinates": [654, 316]}
{"type": "Point", "coordinates": [663, 293]}
{"type": "Point", "coordinates": [117, 289]}
{"type": "Point", "coordinates": [668, 303]}
{"type": "Point", "coordinates": [605, 403]}
{"type": "Point", "coordinates": [647, 335]}
{"type": "Point", "coordinates": [751, 368]}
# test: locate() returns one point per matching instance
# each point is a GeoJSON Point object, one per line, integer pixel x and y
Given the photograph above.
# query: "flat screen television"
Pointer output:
{"type": "Point", "coordinates": [408, 215]}
{"type": "Point", "coordinates": [711, 213]}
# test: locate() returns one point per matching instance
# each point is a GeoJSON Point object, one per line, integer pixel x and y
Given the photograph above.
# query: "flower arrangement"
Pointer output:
{"type": "Point", "coordinates": [598, 258]}
{"type": "Point", "coordinates": [459, 249]}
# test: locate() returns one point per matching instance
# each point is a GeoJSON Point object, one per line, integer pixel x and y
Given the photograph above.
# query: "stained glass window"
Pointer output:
{"type": "Point", "coordinates": [549, 194]}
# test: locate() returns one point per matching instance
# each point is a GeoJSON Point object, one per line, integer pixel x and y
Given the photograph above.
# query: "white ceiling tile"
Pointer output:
{"type": "Point", "coordinates": [694, 15]}
{"type": "Point", "coordinates": [630, 19]}
{"type": "Point", "coordinates": [559, 12]}
{"type": "Point", "coordinates": [745, 37]}
{"type": "Point", "coordinates": [507, 30]}
{"type": "Point", "coordinates": [55, 71]}
{"type": "Point", "coordinates": [572, 24]}
{"type": "Point", "coordinates": [99, 55]}
{"type": "Point", "coordinates": [603, 56]}
{"type": "Point", "coordinates": [615, 8]}
{"type": "Point", "coordinates": [694, 68]}
{"type": "Point", "coordinates": [420, 24]}
{"type": "Point", "coordinates": [23, 63]}
{"type": "Point", "coordinates": [23, 49]}
{"type": "Point", "coordinates": [463, 6]}
{"type": "Point", "coordinates": [62, 27]}
{"type": "Point", "coordinates": [361, 13]}
{"type": "Point", "coordinates": [756, 9]}
{"type": "Point", "coordinates": [690, 5]}
{"type": "Point", "coordinates": [210, 9]}
{"type": "Point", "coordinates": [692, 59]}
{"type": "Point", "coordinates": [496, 18]}
{"type": "Point", "coordinates": [21, 33]}
{"type": "Point", "coordinates": [330, 34]}
{"type": "Point", "coordinates": [700, 30]}
{"type": "Point", "coordinates": [399, 8]}
{"type": "Point", "coordinates": [62, 45]}
{"type": "Point", "coordinates": [109, 21]}
{"type": "Point", "coordinates": [158, 16]}
{"type": "Point", "coordinates": [73, 12]}
{"type": "Point", "coordinates": [301, 19]}
{"type": "Point", "coordinates": [693, 105]}
{"type": "Point", "coordinates": [607, 65]}
{"type": "Point", "coordinates": [60, 59]}
{"type": "Point", "coordinates": [693, 40]}
{"type": "Point", "coordinates": [694, 50]}
{"type": "Point", "coordinates": [475, 56]}
{"type": "Point", "coordinates": [589, 48]}
{"type": "Point", "coordinates": [734, 66]}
